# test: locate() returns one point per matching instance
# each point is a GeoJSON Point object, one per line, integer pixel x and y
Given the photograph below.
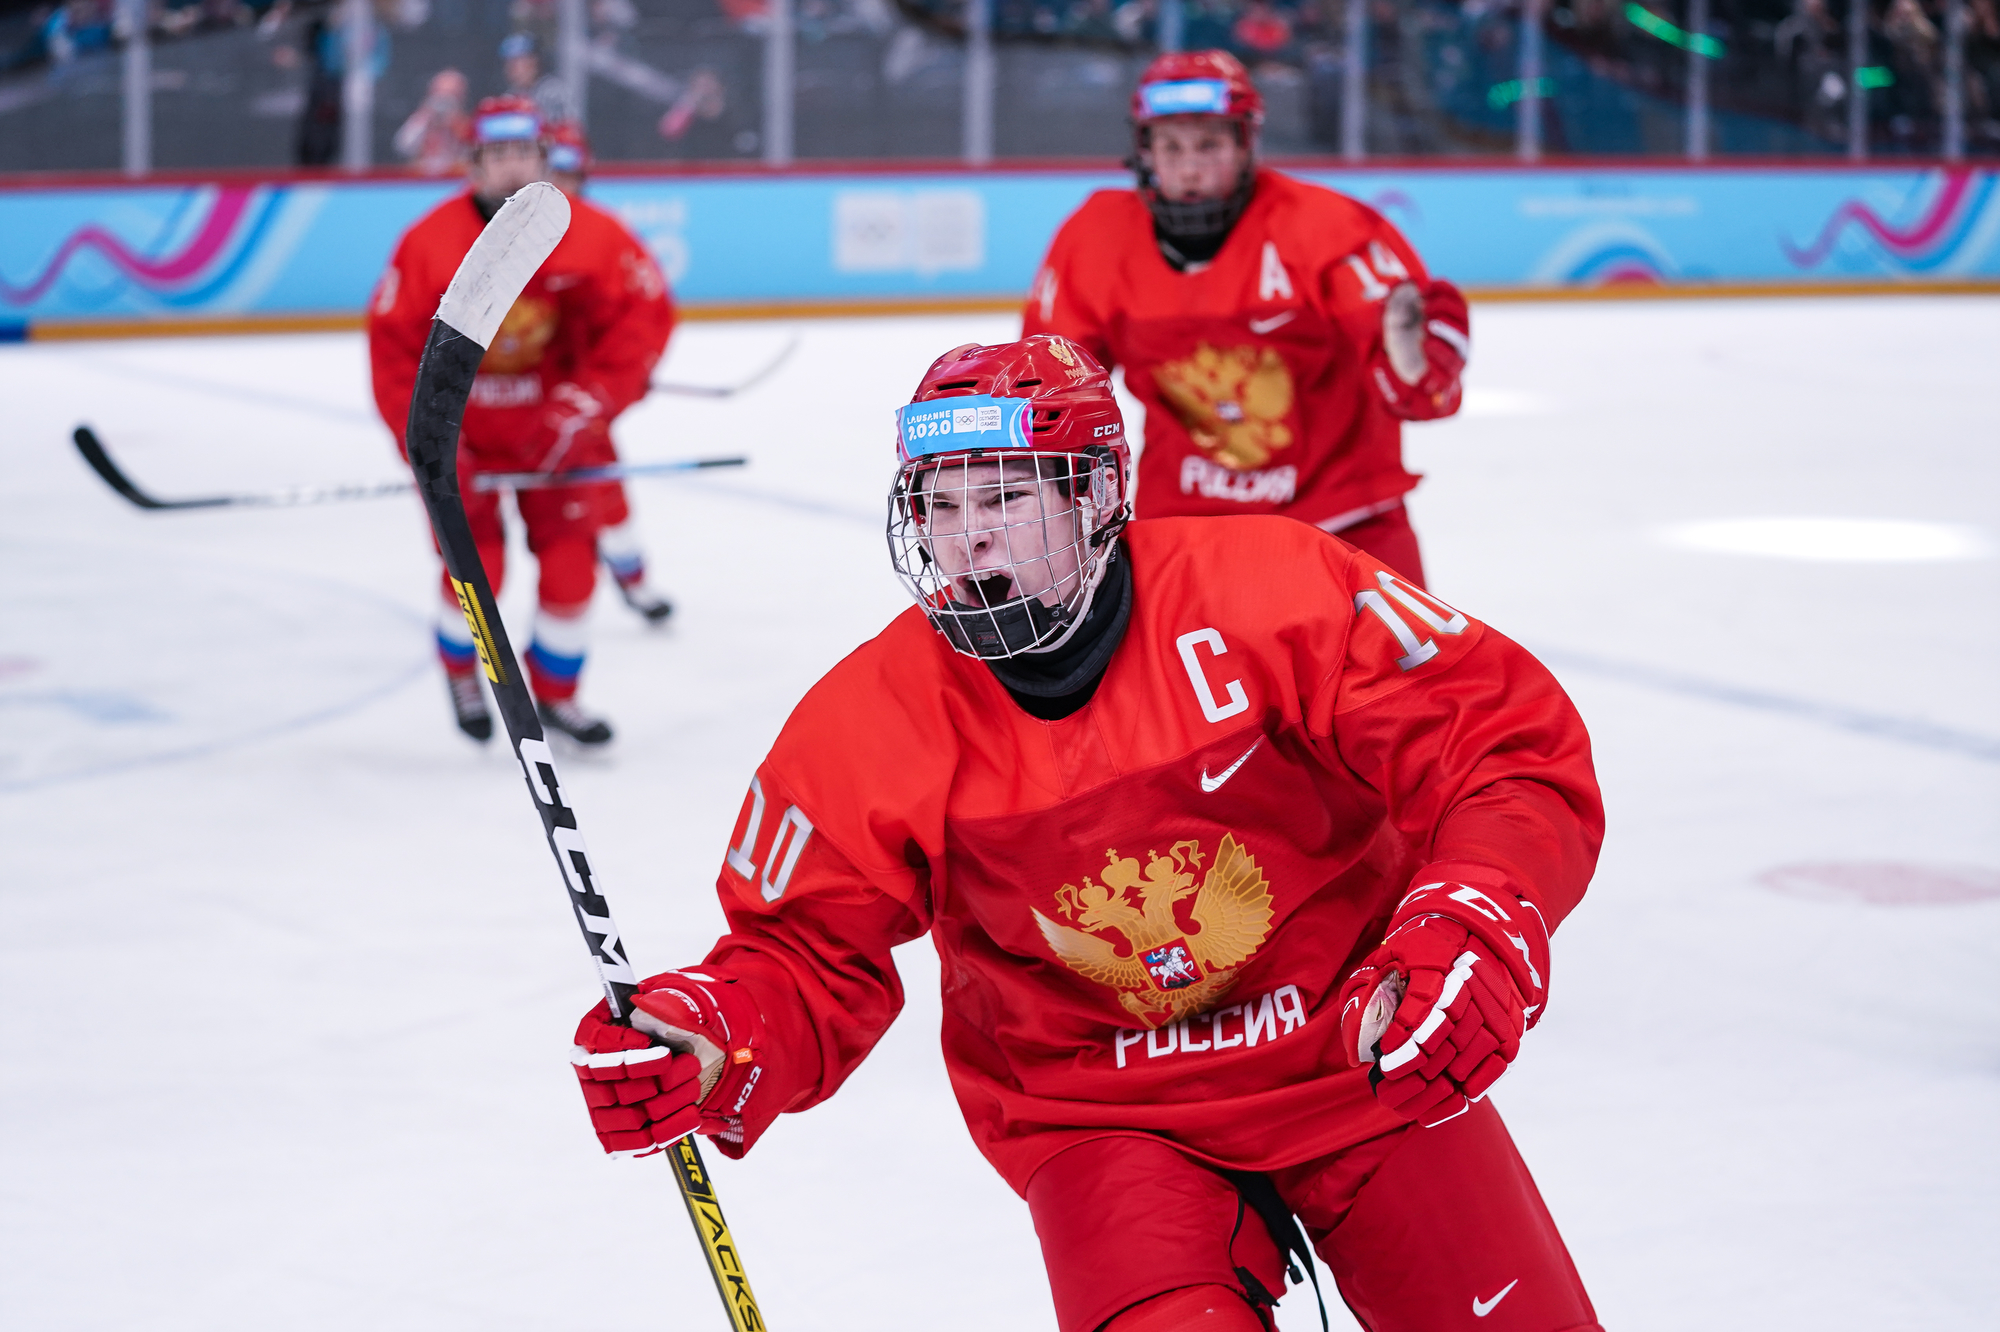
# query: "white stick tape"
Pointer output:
{"type": "Point", "coordinates": [516, 242]}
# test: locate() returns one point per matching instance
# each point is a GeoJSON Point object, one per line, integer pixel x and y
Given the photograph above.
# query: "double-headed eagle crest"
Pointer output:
{"type": "Point", "coordinates": [1164, 970]}
{"type": "Point", "coordinates": [523, 336]}
{"type": "Point", "coordinates": [1233, 401]}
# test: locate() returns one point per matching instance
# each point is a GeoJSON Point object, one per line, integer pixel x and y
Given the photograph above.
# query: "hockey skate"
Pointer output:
{"type": "Point", "coordinates": [468, 705]}
{"type": "Point", "coordinates": [564, 717]}
{"type": "Point", "coordinates": [646, 601]}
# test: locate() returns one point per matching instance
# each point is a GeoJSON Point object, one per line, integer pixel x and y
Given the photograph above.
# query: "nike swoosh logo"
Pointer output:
{"type": "Point", "coordinates": [1480, 1308]}
{"type": "Point", "coordinates": [1275, 321]}
{"type": "Point", "coordinates": [1214, 783]}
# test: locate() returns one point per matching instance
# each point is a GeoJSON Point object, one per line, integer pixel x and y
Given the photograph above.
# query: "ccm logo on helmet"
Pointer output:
{"type": "Point", "coordinates": [1104, 430]}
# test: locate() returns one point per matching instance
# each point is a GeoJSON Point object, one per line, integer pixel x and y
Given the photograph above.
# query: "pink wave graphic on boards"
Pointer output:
{"type": "Point", "coordinates": [231, 202]}
{"type": "Point", "coordinates": [1904, 243]}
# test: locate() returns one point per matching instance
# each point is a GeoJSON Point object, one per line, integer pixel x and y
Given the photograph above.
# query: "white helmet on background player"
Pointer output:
{"type": "Point", "coordinates": [1013, 484]}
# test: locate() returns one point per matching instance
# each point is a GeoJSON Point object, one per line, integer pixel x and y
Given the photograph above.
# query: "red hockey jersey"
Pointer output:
{"type": "Point", "coordinates": [1145, 911]}
{"type": "Point", "coordinates": [1252, 368]}
{"type": "Point", "coordinates": [596, 314]}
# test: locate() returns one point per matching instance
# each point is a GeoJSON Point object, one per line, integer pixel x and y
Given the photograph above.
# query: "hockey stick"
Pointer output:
{"type": "Point", "coordinates": [501, 261]}
{"type": "Point", "coordinates": [100, 462]}
{"type": "Point", "coordinates": [94, 453]}
{"type": "Point", "coordinates": [727, 390]}
{"type": "Point", "coordinates": [584, 475]}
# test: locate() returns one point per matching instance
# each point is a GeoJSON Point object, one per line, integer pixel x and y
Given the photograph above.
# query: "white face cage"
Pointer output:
{"type": "Point", "coordinates": [1005, 552]}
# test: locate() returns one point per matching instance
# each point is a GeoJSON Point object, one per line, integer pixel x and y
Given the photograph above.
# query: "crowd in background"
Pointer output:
{"type": "Point", "coordinates": [1442, 75]}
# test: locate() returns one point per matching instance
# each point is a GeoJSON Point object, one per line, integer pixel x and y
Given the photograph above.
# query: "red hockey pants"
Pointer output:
{"type": "Point", "coordinates": [1422, 1228]}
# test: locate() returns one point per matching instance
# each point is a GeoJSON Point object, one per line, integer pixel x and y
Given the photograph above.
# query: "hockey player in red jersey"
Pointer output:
{"type": "Point", "coordinates": [575, 350]}
{"type": "Point", "coordinates": [1278, 333]}
{"type": "Point", "coordinates": [618, 544]}
{"type": "Point", "coordinates": [1241, 854]}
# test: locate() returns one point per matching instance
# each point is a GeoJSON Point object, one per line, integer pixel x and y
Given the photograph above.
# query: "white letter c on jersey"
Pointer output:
{"type": "Point", "coordinates": [1215, 712]}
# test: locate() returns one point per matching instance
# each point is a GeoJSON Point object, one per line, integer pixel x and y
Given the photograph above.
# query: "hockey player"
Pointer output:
{"type": "Point", "coordinates": [1240, 853]}
{"type": "Point", "coordinates": [1278, 333]}
{"type": "Point", "coordinates": [618, 544]}
{"type": "Point", "coordinates": [569, 157]}
{"type": "Point", "coordinates": [575, 350]}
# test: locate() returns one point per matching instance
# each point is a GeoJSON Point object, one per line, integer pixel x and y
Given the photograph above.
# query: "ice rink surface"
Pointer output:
{"type": "Point", "coordinates": [289, 980]}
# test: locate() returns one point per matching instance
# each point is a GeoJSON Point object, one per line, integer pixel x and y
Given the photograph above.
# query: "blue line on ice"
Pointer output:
{"type": "Point", "coordinates": [286, 727]}
{"type": "Point", "coordinates": [105, 707]}
{"type": "Point", "coordinates": [1904, 730]}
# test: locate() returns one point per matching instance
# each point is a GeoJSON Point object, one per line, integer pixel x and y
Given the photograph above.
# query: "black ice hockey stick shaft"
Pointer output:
{"type": "Point", "coordinates": [100, 460]}
{"type": "Point", "coordinates": [493, 273]}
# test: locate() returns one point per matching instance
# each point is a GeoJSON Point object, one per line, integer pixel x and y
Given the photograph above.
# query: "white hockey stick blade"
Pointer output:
{"type": "Point", "coordinates": [516, 242]}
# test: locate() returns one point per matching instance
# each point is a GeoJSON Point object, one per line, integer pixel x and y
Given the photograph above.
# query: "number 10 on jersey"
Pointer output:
{"type": "Point", "coordinates": [782, 857]}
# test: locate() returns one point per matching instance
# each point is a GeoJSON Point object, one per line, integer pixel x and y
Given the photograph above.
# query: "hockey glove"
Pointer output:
{"type": "Point", "coordinates": [1426, 341]}
{"type": "Point", "coordinates": [1441, 1006]}
{"type": "Point", "coordinates": [571, 423]}
{"type": "Point", "coordinates": [687, 1064]}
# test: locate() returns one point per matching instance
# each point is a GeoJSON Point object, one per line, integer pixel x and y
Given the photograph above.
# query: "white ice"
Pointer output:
{"type": "Point", "coordinates": [289, 981]}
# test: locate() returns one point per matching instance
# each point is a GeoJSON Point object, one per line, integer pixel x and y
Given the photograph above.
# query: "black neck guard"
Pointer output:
{"type": "Point", "coordinates": [1052, 685]}
{"type": "Point", "coordinates": [1193, 231]}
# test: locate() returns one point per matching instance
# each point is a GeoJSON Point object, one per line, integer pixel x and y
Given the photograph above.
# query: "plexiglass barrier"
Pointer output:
{"type": "Point", "coordinates": [385, 84]}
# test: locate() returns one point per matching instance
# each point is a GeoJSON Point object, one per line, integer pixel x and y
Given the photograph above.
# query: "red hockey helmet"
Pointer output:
{"type": "Point", "coordinates": [569, 147]}
{"type": "Point", "coordinates": [1197, 83]}
{"type": "Point", "coordinates": [507, 119]}
{"type": "Point", "coordinates": [1012, 486]}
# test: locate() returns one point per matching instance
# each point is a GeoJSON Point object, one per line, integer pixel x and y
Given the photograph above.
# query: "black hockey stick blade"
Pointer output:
{"type": "Point", "coordinates": [100, 462]}
{"type": "Point", "coordinates": [726, 390]}
{"type": "Point", "coordinates": [99, 458]}
{"type": "Point", "coordinates": [586, 475]}
{"type": "Point", "coordinates": [513, 245]}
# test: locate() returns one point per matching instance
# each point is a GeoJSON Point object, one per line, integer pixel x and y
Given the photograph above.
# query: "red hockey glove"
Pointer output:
{"type": "Point", "coordinates": [573, 415]}
{"type": "Point", "coordinates": [642, 1096]}
{"type": "Point", "coordinates": [1426, 341]}
{"type": "Point", "coordinates": [687, 1064]}
{"type": "Point", "coordinates": [1441, 1006]}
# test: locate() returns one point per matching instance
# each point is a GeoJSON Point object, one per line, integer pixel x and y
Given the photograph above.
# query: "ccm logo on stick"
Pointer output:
{"type": "Point", "coordinates": [573, 859]}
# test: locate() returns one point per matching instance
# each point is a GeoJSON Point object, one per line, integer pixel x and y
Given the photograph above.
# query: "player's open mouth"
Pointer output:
{"type": "Point", "coordinates": [993, 590]}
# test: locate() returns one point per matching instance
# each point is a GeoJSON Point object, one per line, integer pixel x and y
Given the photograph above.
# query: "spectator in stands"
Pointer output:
{"type": "Point", "coordinates": [1917, 65]}
{"type": "Point", "coordinates": [521, 60]}
{"type": "Point", "coordinates": [1261, 30]}
{"type": "Point", "coordinates": [431, 139]}
{"type": "Point", "coordinates": [319, 124]}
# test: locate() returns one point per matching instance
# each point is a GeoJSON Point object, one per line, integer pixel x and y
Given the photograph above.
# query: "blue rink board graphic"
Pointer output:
{"type": "Point", "coordinates": [136, 252]}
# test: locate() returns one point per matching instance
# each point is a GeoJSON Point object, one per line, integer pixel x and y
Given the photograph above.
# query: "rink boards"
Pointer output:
{"type": "Point", "coordinates": [90, 258]}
